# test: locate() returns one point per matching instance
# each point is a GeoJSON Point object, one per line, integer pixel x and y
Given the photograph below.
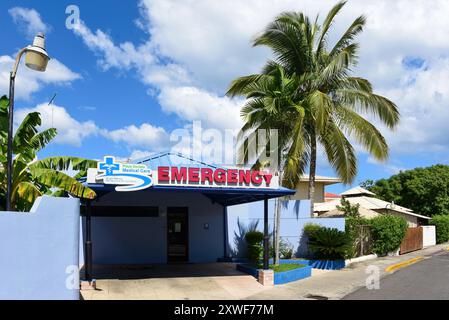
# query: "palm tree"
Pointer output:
{"type": "Point", "coordinates": [33, 178]}
{"type": "Point", "coordinates": [331, 103]}
{"type": "Point", "coordinates": [270, 106]}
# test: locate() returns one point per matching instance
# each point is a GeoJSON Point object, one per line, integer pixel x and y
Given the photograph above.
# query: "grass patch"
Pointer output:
{"type": "Point", "coordinates": [283, 267]}
{"type": "Point", "coordinates": [286, 267]}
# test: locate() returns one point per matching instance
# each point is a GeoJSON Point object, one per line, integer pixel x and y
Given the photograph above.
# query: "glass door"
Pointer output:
{"type": "Point", "coordinates": [177, 234]}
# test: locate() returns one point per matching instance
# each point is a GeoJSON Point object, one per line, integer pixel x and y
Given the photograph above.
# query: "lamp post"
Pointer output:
{"type": "Point", "coordinates": [36, 59]}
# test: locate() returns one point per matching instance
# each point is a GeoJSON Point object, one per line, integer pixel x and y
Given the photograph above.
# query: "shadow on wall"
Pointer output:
{"type": "Point", "coordinates": [295, 214]}
{"type": "Point", "coordinates": [302, 251]}
{"type": "Point", "coordinates": [239, 250]}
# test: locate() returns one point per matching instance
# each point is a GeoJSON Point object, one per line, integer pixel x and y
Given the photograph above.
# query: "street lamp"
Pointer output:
{"type": "Point", "coordinates": [36, 59]}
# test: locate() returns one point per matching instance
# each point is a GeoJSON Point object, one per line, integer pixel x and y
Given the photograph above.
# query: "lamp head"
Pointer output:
{"type": "Point", "coordinates": [36, 55]}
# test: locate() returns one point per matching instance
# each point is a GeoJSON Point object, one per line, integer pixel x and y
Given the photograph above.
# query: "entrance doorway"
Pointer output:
{"type": "Point", "coordinates": [177, 234]}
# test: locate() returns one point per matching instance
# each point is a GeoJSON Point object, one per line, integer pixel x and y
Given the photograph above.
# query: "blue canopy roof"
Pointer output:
{"type": "Point", "coordinates": [222, 195]}
{"type": "Point", "coordinates": [170, 159]}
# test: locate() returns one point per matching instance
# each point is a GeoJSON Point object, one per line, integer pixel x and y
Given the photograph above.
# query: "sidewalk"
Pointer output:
{"type": "Point", "coordinates": [336, 284]}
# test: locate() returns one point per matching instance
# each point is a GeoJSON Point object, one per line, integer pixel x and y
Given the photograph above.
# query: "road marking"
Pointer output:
{"type": "Point", "coordinates": [402, 264]}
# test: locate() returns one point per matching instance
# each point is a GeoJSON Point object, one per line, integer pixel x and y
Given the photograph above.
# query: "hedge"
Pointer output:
{"type": "Point", "coordinates": [311, 228]}
{"type": "Point", "coordinates": [254, 240]}
{"type": "Point", "coordinates": [352, 229]}
{"type": "Point", "coordinates": [441, 223]}
{"type": "Point", "coordinates": [387, 231]}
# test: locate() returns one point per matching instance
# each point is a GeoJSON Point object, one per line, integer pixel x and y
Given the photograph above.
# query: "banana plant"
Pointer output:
{"type": "Point", "coordinates": [31, 177]}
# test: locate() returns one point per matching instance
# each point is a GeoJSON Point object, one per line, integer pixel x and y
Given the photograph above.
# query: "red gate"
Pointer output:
{"type": "Point", "coordinates": [412, 240]}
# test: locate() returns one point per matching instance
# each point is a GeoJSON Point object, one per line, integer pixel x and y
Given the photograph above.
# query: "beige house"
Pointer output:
{"type": "Point", "coordinates": [320, 183]}
{"type": "Point", "coordinates": [369, 207]}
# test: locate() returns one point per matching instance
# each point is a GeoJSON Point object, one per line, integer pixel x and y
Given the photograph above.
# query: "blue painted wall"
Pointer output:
{"type": "Point", "coordinates": [39, 251]}
{"type": "Point", "coordinates": [132, 240]}
{"type": "Point", "coordinates": [295, 214]}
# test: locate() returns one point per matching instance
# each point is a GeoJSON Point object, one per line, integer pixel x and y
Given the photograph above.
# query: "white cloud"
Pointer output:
{"type": "Point", "coordinates": [389, 167]}
{"type": "Point", "coordinates": [125, 56]}
{"type": "Point", "coordinates": [191, 103]}
{"type": "Point", "coordinates": [424, 99]}
{"type": "Point", "coordinates": [138, 154]}
{"type": "Point", "coordinates": [70, 130]}
{"type": "Point", "coordinates": [171, 80]}
{"type": "Point", "coordinates": [147, 135]}
{"type": "Point", "coordinates": [208, 44]}
{"type": "Point", "coordinates": [29, 81]}
{"type": "Point", "coordinates": [29, 21]}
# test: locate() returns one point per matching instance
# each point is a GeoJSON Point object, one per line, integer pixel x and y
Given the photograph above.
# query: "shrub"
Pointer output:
{"type": "Point", "coordinates": [353, 228]}
{"type": "Point", "coordinates": [310, 229]}
{"type": "Point", "coordinates": [387, 231]}
{"type": "Point", "coordinates": [352, 224]}
{"type": "Point", "coordinates": [285, 249]}
{"type": "Point", "coordinates": [329, 243]}
{"type": "Point", "coordinates": [254, 241]}
{"type": "Point", "coordinates": [441, 223]}
{"type": "Point", "coordinates": [350, 211]}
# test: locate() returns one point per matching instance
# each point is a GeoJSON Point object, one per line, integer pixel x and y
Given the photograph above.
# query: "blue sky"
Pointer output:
{"type": "Point", "coordinates": [136, 70]}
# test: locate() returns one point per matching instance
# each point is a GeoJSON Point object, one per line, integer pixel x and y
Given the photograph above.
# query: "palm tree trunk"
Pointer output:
{"type": "Point", "coordinates": [277, 224]}
{"type": "Point", "coordinates": [312, 171]}
{"type": "Point", "coordinates": [277, 234]}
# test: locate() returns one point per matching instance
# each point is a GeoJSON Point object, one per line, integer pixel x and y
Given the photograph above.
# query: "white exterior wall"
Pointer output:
{"type": "Point", "coordinates": [302, 192]}
{"type": "Point", "coordinates": [411, 220]}
{"type": "Point", "coordinates": [428, 236]}
{"type": "Point", "coordinates": [143, 240]}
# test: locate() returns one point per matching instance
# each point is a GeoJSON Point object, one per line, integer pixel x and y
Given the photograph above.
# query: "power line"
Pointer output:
{"type": "Point", "coordinates": [52, 126]}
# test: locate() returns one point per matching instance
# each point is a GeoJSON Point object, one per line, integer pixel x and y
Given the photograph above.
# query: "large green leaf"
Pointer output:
{"type": "Point", "coordinates": [40, 140]}
{"type": "Point", "coordinates": [25, 195]}
{"type": "Point", "coordinates": [326, 26]}
{"type": "Point", "coordinates": [26, 131]}
{"type": "Point", "coordinates": [65, 163]}
{"type": "Point", "coordinates": [4, 103]}
{"type": "Point", "coordinates": [56, 179]}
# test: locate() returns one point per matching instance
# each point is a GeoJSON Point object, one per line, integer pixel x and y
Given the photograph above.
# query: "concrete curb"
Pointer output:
{"type": "Point", "coordinates": [361, 259]}
{"type": "Point", "coordinates": [403, 264]}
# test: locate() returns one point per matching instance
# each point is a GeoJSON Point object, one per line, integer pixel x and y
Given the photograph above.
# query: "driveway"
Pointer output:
{"type": "Point", "coordinates": [222, 281]}
{"type": "Point", "coordinates": [427, 279]}
{"type": "Point", "coordinates": [181, 282]}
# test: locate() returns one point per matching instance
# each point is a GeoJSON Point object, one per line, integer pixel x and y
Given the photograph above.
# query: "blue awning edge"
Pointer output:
{"type": "Point", "coordinates": [224, 196]}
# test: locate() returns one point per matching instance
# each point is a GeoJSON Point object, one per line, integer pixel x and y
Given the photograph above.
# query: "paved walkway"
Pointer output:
{"type": "Point", "coordinates": [222, 281]}
{"type": "Point", "coordinates": [339, 283]}
{"type": "Point", "coordinates": [180, 282]}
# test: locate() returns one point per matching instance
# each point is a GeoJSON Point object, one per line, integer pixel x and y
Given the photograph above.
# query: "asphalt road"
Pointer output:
{"type": "Point", "coordinates": [427, 279]}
